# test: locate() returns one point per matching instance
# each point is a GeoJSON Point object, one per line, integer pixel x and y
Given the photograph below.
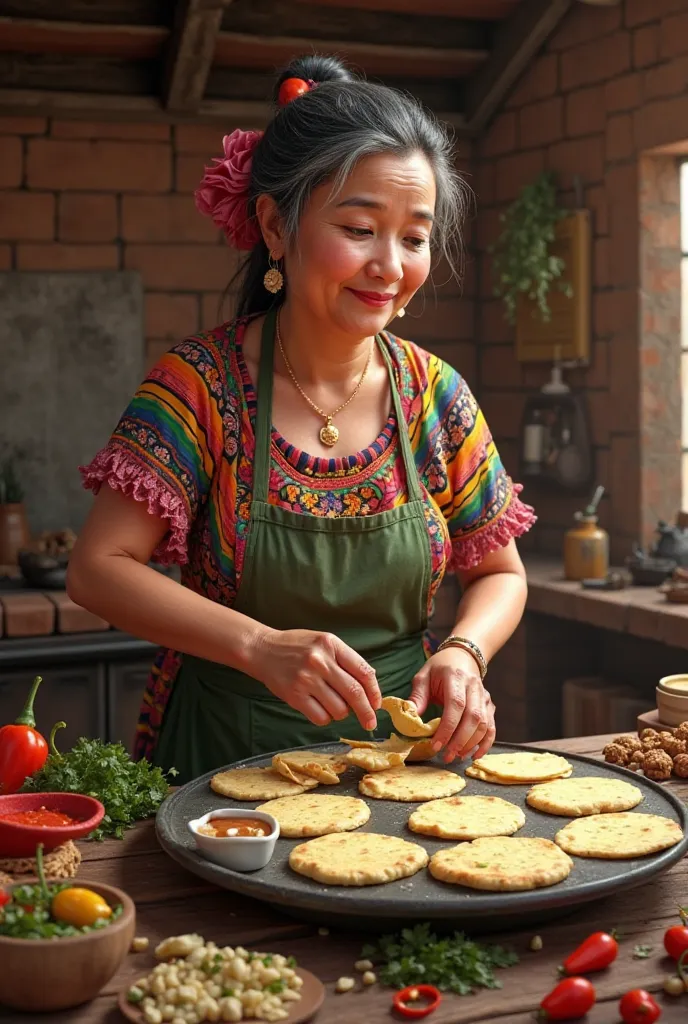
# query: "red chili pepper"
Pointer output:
{"type": "Point", "coordinates": [569, 1000]}
{"type": "Point", "coordinates": [638, 1007]}
{"type": "Point", "coordinates": [676, 937]}
{"type": "Point", "coordinates": [597, 952]}
{"type": "Point", "coordinates": [5, 897]}
{"type": "Point", "coordinates": [22, 748]}
{"type": "Point", "coordinates": [403, 1001]}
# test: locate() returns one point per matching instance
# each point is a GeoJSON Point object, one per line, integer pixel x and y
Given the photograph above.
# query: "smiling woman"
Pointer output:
{"type": "Point", "coordinates": [314, 474]}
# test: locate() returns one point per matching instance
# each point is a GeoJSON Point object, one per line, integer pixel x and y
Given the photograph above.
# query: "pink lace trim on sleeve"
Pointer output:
{"type": "Point", "coordinates": [516, 519]}
{"type": "Point", "coordinates": [122, 472]}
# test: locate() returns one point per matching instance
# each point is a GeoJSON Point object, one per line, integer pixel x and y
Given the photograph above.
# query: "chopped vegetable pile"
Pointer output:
{"type": "Point", "coordinates": [453, 964]}
{"type": "Point", "coordinates": [129, 790]}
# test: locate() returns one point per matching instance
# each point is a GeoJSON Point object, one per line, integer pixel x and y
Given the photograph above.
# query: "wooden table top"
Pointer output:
{"type": "Point", "coordinates": [171, 901]}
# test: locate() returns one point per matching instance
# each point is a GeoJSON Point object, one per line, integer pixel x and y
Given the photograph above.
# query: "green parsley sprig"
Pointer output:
{"type": "Point", "coordinates": [453, 964]}
{"type": "Point", "coordinates": [129, 790]}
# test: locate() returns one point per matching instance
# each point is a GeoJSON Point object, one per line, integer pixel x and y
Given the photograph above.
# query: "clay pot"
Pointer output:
{"type": "Point", "coordinates": [14, 532]}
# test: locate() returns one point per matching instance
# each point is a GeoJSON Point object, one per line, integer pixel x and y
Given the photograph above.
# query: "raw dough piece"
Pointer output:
{"type": "Point", "coordinates": [257, 784]}
{"type": "Point", "coordinates": [316, 814]}
{"type": "Point", "coordinates": [422, 783]}
{"type": "Point", "coordinates": [467, 817]}
{"type": "Point", "coordinates": [618, 836]}
{"type": "Point", "coordinates": [325, 768]}
{"type": "Point", "coordinates": [502, 864]}
{"type": "Point", "coordinates": [406, 720]}
{"type": "Point", "coordinates": [579, 797]}
{"type": "Point", "coordinates": [357, 858]}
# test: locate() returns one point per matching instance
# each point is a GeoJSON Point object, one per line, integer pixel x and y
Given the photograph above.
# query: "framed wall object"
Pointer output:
{"type": "Point", "coordinates": [566, 336]}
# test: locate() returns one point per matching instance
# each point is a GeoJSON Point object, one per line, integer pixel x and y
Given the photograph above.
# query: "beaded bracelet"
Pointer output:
{"type": "Point", "coordinates": [466, 645]}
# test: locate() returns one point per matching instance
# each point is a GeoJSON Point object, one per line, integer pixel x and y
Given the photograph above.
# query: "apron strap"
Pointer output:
{"type": "Point", "coordinates": [261, 463]}
{"type": "Point", "coordinates": [412, 477]}
{"type": "Point", "coordinates": [261, 460]}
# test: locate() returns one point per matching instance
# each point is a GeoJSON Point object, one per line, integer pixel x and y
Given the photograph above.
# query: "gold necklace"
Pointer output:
{"type": "Point", "coordinates": [329, 435]}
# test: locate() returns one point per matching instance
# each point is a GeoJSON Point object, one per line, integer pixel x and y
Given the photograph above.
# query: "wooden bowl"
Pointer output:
{"type": "Point", "coordinates": [47, 975]}
{"type": "Point", "coordinates": [21, 840]}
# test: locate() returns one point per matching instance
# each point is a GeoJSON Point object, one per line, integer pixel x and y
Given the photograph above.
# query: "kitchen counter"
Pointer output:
{"type": "Point", "coordinates": [170, 901]}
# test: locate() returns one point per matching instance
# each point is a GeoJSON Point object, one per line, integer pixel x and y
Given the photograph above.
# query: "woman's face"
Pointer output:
{"type": "Point", "coordinates": [361, 254]}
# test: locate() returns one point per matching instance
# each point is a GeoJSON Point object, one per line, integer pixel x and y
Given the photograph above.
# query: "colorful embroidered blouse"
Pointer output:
{"type": "Point", "coordinates": [185, 446]}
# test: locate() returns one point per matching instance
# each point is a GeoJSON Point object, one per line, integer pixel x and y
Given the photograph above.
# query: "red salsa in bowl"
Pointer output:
{"type": "Point", "coordinates": [27, 819]}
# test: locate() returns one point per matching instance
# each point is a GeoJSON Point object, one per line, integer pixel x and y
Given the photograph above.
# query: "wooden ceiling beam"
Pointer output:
{"type": "Point", "coordinates": [29, 36]}
{"type": "Point", "coordinates": [191, 52]}
{"type": "Point", "coordinates": [517, 42]}
{"type": "Point", "coordinates": [482, 10]}
{"type": "Point", "coordinates": [238, 50]}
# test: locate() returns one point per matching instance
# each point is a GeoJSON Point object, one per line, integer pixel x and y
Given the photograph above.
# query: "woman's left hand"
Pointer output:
{"type": "Point", "coordinates": [451, 678]}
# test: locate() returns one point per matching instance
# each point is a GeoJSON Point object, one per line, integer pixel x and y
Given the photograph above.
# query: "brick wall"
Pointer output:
{"type": "Point", "coordinates": [601, 103]}
{"type": "Point", "coordinates": [77, 195]}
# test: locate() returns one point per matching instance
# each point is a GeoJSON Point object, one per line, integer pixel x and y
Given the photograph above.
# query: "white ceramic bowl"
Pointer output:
{"type": "Point", "coordinates": [672, 703]}
{"type": "Point", "coordinates": [239, 853]}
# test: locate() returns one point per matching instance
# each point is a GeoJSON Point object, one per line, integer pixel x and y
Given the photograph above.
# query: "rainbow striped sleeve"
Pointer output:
{"type": "Point", "coordinates": [168, 442]}
{"type": "Point", "coordinates": [478, 498]}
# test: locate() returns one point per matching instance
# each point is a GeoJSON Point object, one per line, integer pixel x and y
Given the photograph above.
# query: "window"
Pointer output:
{"type": "Point", "coordinates": [684, 333]}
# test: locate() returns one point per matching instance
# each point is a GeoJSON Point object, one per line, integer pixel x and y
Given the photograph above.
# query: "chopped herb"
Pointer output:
{"type": "Point", "coordinates": [130, 790]}
{"type": "Point", "coordinates": [218, 958]}
{"type": "Point", "coordinates": [227, 992]}
{"type": "Point", "coordinates": [641, 952]}
{"type": "Point", "coordinates": [482, 865]}
{"type": "Point", "coordinates": [134, 995]}
{"type": "Point", "coordinates": [267, 961]}
{"type": "Point", "coordinates": [291, 962]}
{"type": "Point", "coordinates": [453, 964]}
{"type": "Point", "coordinates": [275, 987]}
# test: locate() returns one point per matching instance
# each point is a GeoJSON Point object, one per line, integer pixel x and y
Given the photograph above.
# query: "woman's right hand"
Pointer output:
{"type": "Point", "coordinates": [318, 675]}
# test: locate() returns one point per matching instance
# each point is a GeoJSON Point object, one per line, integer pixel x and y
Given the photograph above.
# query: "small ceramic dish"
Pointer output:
{"type": "Point", "coordinates": [239, 853]}
{"type": "Point", "coordinates": [672, 699]}
{"type": "Point", "coordinates": [21, 840]}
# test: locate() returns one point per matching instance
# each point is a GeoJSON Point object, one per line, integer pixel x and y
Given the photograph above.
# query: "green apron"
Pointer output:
{"type": "Point", "coordinates": [364, 578]}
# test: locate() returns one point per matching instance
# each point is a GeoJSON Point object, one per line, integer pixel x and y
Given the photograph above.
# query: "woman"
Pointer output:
{"type": "Point", "coordinates": [314, 475]}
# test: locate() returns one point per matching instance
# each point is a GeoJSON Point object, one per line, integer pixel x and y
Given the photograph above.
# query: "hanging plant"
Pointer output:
{"type": "Point", "coordinates": [523, 262]}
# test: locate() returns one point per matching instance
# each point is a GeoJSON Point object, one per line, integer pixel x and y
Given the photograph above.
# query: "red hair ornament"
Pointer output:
{"type": "Point", "coordinates": [292, 88]}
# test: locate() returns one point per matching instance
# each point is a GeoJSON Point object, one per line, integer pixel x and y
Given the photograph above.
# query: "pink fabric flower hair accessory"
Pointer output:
{"type": "Point", "coordinates": [223, 192]}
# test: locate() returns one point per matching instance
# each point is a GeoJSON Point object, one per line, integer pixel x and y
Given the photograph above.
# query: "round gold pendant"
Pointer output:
{"type": "Point", "coordinates": [329, 434]}
{"type": "Point", "coordinates": [273, 280]}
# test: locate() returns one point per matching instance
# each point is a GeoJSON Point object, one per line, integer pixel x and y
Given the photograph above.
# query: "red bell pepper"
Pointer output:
{"type": "Point", "coordinates": [638, 1007]}
{"type": "Point", "coordinates": [569, 1000]}
{"type": "Point", "coordinates": [22, 748]}
{"type": "Point", "coordinates": [598, 951]}
{"type": "Point", "coordinates": [403, 1001]}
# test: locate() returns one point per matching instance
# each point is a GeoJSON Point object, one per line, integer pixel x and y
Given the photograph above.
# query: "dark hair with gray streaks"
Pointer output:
{"type": "Point", "coordinates": [321, 136]}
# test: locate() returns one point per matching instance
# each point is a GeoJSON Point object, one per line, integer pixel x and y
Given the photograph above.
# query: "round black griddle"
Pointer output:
{"type": "Point", "coordinates": [421, 897]}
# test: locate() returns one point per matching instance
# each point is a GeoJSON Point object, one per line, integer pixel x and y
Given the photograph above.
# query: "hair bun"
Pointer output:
{"type": "Point", "coordinates": [314, 68]}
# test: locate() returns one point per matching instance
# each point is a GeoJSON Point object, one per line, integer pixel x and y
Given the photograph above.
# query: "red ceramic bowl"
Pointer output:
{"type": "Point", "coordinates": [21, 840]}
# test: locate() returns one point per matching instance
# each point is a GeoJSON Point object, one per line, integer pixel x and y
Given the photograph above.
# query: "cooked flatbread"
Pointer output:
{"type": "Point", "coordinates": [406, 720]}
{"type": "Point", "coordinates": [422, 750]}
{"type": "Point", "coordinates": [618, 836]}
{"type": "Point", "coordinates": [395, 744]}
{"type": "Point", "coordinates": [502, 864]}
{"type": "Point", "coordinates": [477, 773]}
{"type": "Point", "coordinates": [316, 814]}
{"type": "Point", "coordinates": [374, 760]}
{"type": "Point", "coordinates": [325, 768]}
{"type": "Point", "coordinates": [418, 783]}
{"type": "Point", "coordinates": [579, 797]}
{"type": "Point", "coordinates": [357, 858]}
{"type": "Point", "coordinates": [62, 862]}
{"type": "Point", "coordinates": [523, 766]}
{"type": "Point", "coordinates": [257, 784]}
{"type": "Point", "coordinates": [467, 817]}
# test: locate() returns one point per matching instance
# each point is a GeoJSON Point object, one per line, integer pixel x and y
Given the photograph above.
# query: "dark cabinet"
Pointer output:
{"type": "Point", "coordinates": [73, 694]}
{"type": "Point", "coordinates": [126, 682]}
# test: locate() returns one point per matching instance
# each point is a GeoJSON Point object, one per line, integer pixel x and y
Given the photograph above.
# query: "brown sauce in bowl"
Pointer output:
{"type": "Point", "coordinates": [231, 828]}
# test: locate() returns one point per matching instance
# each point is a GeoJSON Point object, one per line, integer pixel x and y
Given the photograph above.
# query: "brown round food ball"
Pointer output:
{"type": "Point", "coordinates": [614, 753]}
{"type": "Point", "coordinates": [681, 766]}
{"type": "Point", "coordinates": [658, 765]}
{"type": "Point", "coordinates": [647, 733]}
{"type": "Point", "coordinates": [630, 742]}
{"type": "Point", "coordinates": [673, 746]}
{"type": "Point", "coordinates": [681, 731]}
{"type": "Point", "coordinates": [652, 742]}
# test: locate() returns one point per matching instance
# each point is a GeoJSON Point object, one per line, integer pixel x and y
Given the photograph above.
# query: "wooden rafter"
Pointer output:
{"type": "Point", "coordinates": [191, 52]}
{"type": "Point", "coordinates": [486, 10]}
{"type": "Point", "coordinates": [517, 41]}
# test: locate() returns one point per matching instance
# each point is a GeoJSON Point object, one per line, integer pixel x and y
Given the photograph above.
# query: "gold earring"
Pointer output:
{"type": "Point", "coordinates": [274, 278]}
{"type": "Point", "coordinates": [402, 311]}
